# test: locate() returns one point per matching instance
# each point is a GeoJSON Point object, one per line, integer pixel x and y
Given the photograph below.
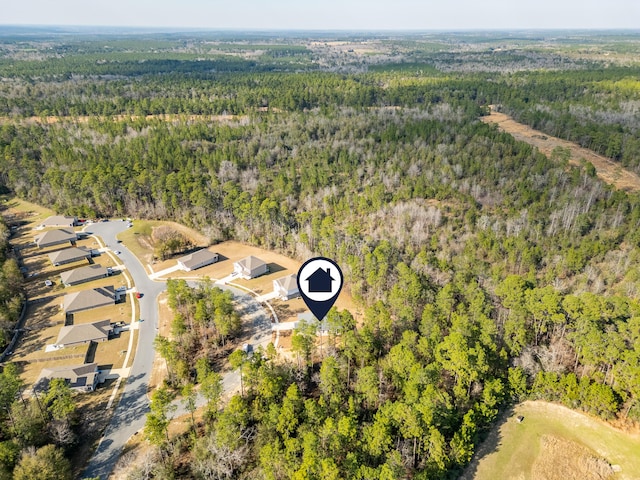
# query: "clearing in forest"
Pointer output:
{"type": "Point", "coordinates": [607, 170]}
{"type": "Point", "coordinates": [555, 443]}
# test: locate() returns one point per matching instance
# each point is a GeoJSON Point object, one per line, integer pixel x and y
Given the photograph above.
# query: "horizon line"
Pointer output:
{"type": "Point", "coordinates": [177, 29]}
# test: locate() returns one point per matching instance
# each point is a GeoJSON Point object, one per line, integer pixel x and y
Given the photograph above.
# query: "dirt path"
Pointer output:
{"type": "Point", "coordinates": [606, 169]}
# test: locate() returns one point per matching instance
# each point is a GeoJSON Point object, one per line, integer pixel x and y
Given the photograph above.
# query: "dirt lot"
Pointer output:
{"type": "Point", "coordinates": [555, 443]}
{"type": "Point", "coordinates": [607, 170]}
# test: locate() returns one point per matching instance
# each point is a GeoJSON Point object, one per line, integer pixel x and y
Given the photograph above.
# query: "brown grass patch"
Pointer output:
{"type": "Point", "coordinates": [566, 460]}
{"type": "Point", "coordinates": [607, 170]}
{"type": "Point", "coordinates": [552, 442]}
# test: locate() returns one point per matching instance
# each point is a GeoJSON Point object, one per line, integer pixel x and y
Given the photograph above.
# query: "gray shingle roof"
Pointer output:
{"type": "Point", "coordinates": [96, 331]}
{"type": "Point", "coordinates": [55, 236]}
{"type": "Point", "coordinates": [69, 254]}
{"type": "Point", "coordinates": [197, 258]}
{"type": "Point", "coordinates": [83, 274]}
{"type": "Point", "coordinates": [78, 376]}
{"type": "Point", "coordinates": [289, 282]}
{"type": "Point", "coordinates": [250, 263]}
{"type": "Point", "coordinates": [86, 299]}
{"type": "Point", "coordinates": [59, 221]}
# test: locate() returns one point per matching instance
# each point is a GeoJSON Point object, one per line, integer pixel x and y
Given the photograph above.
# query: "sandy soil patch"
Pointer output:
{"type": "Point", "coordinates": [607, 170]}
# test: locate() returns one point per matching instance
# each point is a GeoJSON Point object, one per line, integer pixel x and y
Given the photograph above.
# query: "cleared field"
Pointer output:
{"type": "Point", "coordinates": [606, 169]}
{"type": "Point", "coordinates": [555, 443]}
{"type": "Point", "coordinates": [29, 213]}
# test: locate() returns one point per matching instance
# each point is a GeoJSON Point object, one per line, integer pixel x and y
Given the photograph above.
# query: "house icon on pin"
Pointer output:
{"type": "Point", "coordinates": [320, 281]}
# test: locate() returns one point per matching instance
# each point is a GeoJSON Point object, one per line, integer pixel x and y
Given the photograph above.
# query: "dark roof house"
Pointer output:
{"type": "Point", "coordinates": [250, 267]}
{"type": "Point", "coordinates": [88, 299]}
{"type": "Point", "coordinates": [69, 255]}
{"type": "Point", "coordinates": [198, 259]}
{"type": "Point", "coordinates": [81, 378]}
{"type": "Point", "coordinates": [55, 237]}
{"type": "Point", "coordinates": [83, 274]}
{"type": "Point", "coordinates": [84, 333]}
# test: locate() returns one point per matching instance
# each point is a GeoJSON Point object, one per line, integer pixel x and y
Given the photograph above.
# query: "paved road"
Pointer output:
{"type": "Point", "coordinates": [129, 415]}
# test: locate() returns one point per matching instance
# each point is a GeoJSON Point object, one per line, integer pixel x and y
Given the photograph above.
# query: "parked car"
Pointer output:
{"type": "Point", "coordinates": [117, 252]}
{"type": "Point", "coordinates": [48, 283]}
{"type": "Point", "coordinates": [138, 295]}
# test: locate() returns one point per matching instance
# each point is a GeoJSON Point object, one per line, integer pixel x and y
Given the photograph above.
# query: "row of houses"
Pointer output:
{"type": "Point", "coordinates": [247, 268]}
{"type": "Point", "coordinates": [83, 377]}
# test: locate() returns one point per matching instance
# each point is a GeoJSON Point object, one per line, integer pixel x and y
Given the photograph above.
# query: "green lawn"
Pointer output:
{"type": "Point", "coordinates": [513, 449]}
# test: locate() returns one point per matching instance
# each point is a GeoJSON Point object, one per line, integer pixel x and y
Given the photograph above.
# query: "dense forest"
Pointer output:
{"type": "Point", "coordinates": [489, 273]}
{"type": "Point", "coordinates": [11, 292]}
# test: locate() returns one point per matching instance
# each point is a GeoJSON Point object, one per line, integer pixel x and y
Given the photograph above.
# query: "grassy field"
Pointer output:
{"type": "Point", "coordinates": [555, 443]}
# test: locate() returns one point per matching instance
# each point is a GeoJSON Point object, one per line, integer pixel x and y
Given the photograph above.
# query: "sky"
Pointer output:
{"type": "Point", "coordinates": [328, 14]}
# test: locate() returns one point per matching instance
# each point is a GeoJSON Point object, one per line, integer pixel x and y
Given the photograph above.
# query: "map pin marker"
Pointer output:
{"type": "Point", "coordinates": [319, 283]}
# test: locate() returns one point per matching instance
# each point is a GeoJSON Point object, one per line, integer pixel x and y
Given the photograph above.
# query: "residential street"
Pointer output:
{"type": "Point", "coordinates": [129, 415]}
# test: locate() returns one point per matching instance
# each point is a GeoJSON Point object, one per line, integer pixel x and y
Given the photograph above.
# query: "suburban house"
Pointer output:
{"type": "Point", "coordinates": [250, 267]}
{"type": "Point", "coordinates": [196, 260]}
{"type": "Point", "coordinates": [88, 299]}
{"type": "Point", "coordinates": [59, 221]}
{"type": "Point", "coordinates": [287, 287]}
{"type": "Point", "coordinates": [81, 378]}
{"type": "Point", "coordinates": [55, 237]}
{"type": "Point", "coordinates": [83, 274]}
{"type": "Point", "coordinates": [320, 281]}
{"type": "Point", "coordinates": [84, 333]}
{"type": "Point", "coordinates": [69, 255]}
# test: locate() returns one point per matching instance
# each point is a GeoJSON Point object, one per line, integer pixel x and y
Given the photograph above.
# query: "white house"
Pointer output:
{"type": "Point", "coordinates": [250, 267]}
{"type": "Point", "coordinates": [286, 287]}
{"type": "Point", "coordinates": [196, 260]}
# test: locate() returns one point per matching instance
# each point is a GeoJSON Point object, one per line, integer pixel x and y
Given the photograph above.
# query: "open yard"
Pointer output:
{"type": "Point", "coordinates": [607, 170]}
{"type": "Point", "coordinates": [555, 443]}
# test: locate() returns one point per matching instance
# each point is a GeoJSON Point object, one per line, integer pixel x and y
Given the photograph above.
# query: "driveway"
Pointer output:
{"type": "Point", "coordinates": [129, 416]}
